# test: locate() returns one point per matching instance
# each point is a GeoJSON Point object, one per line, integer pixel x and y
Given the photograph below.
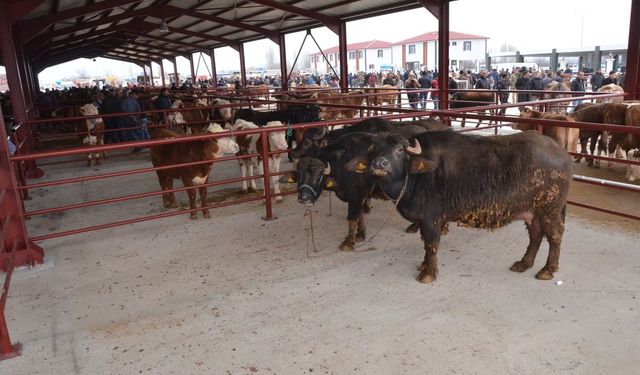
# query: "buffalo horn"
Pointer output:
{"type": "Point", "coordinates": [417, 150]}
{"type": "Point", "coordinates": [327, 170]}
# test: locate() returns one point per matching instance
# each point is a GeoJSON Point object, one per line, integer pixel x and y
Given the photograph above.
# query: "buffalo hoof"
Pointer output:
{"type": "Point", "coordinates": [426, 277]}
{"type": "Point", "coordinates": [346, 245]}
{"type": "Point", "coordinates": [360, 236]}
{"type": "Point", "coordinates": [194, 216]}
{"type": "Point", "coordinates": [519, 266]}
{"type": "Point", "coordinates": [279, 199]}
{"type": "Point", "coordinates": [413, 228]}
{"type": "Point", "coordinates": [250, 190]}
{"type": "Point", "coordinates": [206, 214]}
{"type": "Point", "coordinates": [544, 274]}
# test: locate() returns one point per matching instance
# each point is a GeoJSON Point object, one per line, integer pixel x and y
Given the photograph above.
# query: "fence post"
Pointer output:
{"type": "Point", "coordinates": [264, 139]}
{"type": "Point", "coordinates": [13, 231]}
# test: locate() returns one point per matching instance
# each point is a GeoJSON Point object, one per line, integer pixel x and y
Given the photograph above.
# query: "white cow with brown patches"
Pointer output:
{"type": "Point", "coordinates": [250, 144]}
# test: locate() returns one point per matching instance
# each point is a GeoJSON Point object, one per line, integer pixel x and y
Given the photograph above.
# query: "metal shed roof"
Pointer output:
{"type": "Point", "coordinates": [55, 31]}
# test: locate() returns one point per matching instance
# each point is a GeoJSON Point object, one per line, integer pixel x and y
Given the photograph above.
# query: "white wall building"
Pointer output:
{"type": "Point", "coordinates": [465, 51]}
{"type": "Point", "coordinates": [370, 56]}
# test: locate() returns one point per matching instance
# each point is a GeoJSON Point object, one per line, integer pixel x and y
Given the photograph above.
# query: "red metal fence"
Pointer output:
{"type": "Point", "coordinates": [18, 247]}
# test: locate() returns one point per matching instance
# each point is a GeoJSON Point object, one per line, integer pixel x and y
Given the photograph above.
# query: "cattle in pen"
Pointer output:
{"type": "Point", "coordinates": [495, 181]}
{"type": "Point", "coordinates": [251, 144]}
{"type": "Point", "coordinates": [470, 99]}
{"type": "Point", "coordinates": [566, 137]}
{"type": "Point", "coordinates": [186, 152]}
{"type": "Point", "coordinates": [94, 136]}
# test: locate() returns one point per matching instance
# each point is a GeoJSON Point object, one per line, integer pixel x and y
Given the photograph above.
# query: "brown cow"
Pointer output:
{"type": "Point", "coordinates": [187, 152]}
{"type": "Point", "coordinates": [385, 94]}
{"type": "Point", "coordinates": [565, 137]}
{"type": "Point", "coordinates": [192, 112]}
{"type": "Point", "coordinates": [353, 98]}
{"type": "Point", "coordinates": [470, 99]}
{"type": "Point", "coordinates": [610, 89]}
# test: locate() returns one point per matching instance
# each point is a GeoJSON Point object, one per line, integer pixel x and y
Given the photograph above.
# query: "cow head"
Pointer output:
{"type": "Point", "coordinates": [313, 141]}
{"type": "Point", "coordinates": [277, 139]}
{"type": "Point", "coordinates": [226, 145]}
{"type": "Point", "coordinates": [391, 158]}
{"type": "Point", "coordinates": [313, 176]}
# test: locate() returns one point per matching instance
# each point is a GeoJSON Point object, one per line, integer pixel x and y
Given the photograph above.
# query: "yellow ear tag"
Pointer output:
{"type": "Point", "coordinates": [422, 166]}
{"type": "Point", "coordinates": [291, 180]}
{"type": "Point", "coordinates": [329, 184]}
{"type": "Point", "coordinates": [361, 166]}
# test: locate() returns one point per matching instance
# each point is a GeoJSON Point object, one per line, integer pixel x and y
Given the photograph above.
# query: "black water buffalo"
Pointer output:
{"type": "Point", "coordinates": [315, 139]}
{"type": "Point", "coordinates": [480, 182]}
{"type": "Point", "coordinates": [328, 171]}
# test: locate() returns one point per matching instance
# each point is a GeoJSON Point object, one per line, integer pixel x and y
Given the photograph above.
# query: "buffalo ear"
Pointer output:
{"type": "Point", "coordinates": [421, 165]}
{"type": "Point", "coordinates": [358, 164]}
{"type": "Point", "coordinates": [329, 183]}
{"type": "Point", "coordinates": [289, 178]}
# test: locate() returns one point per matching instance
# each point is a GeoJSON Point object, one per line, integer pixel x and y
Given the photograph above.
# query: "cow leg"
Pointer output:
{"type": "Point", "coordinates": [431, 235]}
{"type": "Point", "coordinates": [462, 123]}
{"type": "Point", "coordinates": [250, 165]}
{"type": "Point", "coordinates": [275, 180]}
{"type": "Point", "coordinates": [553, 230]}
{"type": "Point", "coordinates": [535, 238]}
{"type": "Point", "coordinates": [203, 202]}
{"type": "Point", "coordinates": [243, 171]}
{"type": "Point", "coordinates": [353, 217]}
{"type": "Point", "coordinates": [361, 232]}
{"type": "Point", "coordinates": [192, 196]}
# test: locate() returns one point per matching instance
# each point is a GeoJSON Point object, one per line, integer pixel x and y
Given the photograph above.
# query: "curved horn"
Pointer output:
{"type": "Point", "coordinates": [416, 150]}
{"type": "Point", "coordinates": [327, 170]}
{"type": "Point", "coordinates": [321, 135]}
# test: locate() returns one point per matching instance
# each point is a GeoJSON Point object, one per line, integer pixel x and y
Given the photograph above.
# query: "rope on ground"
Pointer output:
{"type": "Point", "coordinates": [309, 231]}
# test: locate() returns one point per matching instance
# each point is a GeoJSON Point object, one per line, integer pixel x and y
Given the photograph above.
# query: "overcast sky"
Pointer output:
{"type": "Point", "coordinates": [535, 25]}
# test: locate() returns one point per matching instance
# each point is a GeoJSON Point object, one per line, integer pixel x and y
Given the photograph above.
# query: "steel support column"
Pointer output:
{"type": "Point", "coordinates": [193, 71]}
{"type": "Point", "coordinates": [162, 72]}
{"type": "Point", "coordinates": [243, 70]}
{"type": "Point", "coordinates": [443, 53]}
{"type": "Point", "coordinates": [12, 215]}
{"type": "Point", "coordinates": [214, 75]}
{"type": "Point", "coordinates": [553, 60]}
{"type": "Point", "coordinates": [342, 52]}
{"type": "Point", "coordinates": [16, 83]}
{"type": "Point", "coordinates": [597, 58]}
{"type": "Point", "coordinates": [632, 72]}
{"type": "Point", "coordinates": [151, 73]}
{"type": "Point", "coordinates": [144, 74]}
{"type": "Point", "coordinates": [283, 63]}
{"type": "Point", "coordinates": [175, 71]}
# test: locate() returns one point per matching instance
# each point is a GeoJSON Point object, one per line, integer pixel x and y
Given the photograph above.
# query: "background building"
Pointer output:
{"type": "Point", "coordinates": [373, 55]}
{"type": "Point", "coordinates": [466, 51]}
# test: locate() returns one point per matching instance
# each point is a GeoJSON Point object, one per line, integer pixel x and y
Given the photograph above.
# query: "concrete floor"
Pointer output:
{"type": "Point", "coordinates": [238, 295]}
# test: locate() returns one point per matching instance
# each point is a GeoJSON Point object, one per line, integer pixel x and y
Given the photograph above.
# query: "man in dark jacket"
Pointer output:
{"type": "Point", "coordinates": [536, 84]}
{"type": "Point", "coordinates": [596, 80]}
{"type": "Point", "coordinates": [578, 85]}
{"type": "Point", "coordinates": [425, 83]}
{"type": "Point", "coordinates": [483, 82]}
{"type": "Point", "coordinates": [111, 104]}
{"type": "Point", "coordinates": [522, 83]}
